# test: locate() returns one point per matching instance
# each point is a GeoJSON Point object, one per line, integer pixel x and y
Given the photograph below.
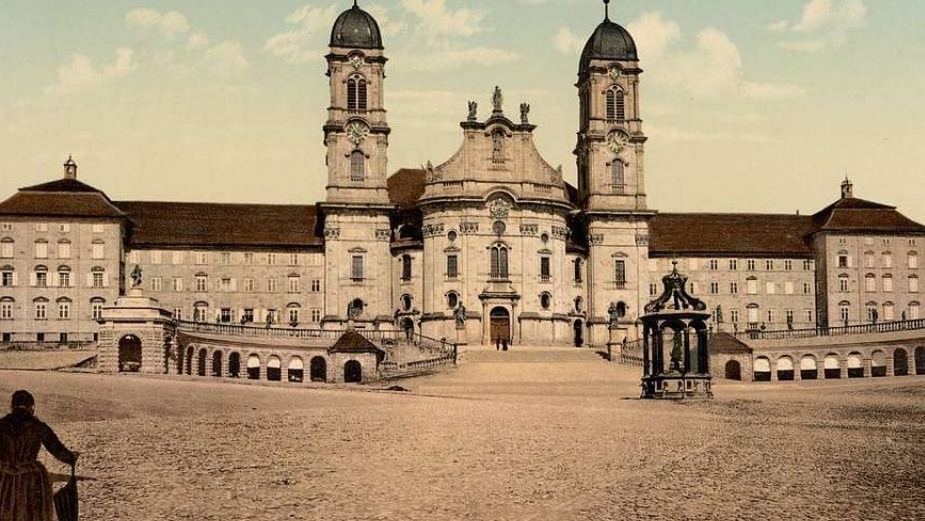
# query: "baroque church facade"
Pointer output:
{"type": "Point", "coordinates": [490, 245]}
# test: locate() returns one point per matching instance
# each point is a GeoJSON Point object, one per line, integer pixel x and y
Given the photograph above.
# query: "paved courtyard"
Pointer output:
{"type": "Point", "coordinates": [540, 434]}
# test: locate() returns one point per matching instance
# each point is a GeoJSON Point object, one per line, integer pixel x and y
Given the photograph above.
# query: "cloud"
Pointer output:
{"type": "Point", "coordinates": [711, 69]}
{"type": "Point", "coordinates": [80, 74]}
{"type": "Point", "coordinates": [567, 42]}
{"type": "Point", "coordinates": [197, 41]}
{"type": "Point", "coordinates": [435, 19]}
{"type": "Point", "coordinates": [303, 42]}
{"type": "Point", "coordinates": [829, 20]}
{"type": "Point", "coordinates": [227, 58]}
{"type": "Point", "coordinates": [169, 24]}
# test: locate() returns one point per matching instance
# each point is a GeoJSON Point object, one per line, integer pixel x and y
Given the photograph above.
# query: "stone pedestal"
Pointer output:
{"type": "Point", "coordinates": [135, 323]}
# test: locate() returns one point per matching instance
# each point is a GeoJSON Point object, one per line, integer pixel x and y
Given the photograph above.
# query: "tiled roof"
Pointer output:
{"type": "Point", "coordinates": [724, 343]}
{"type": "Point", "coordinates": [850, 214]}
{"type": "Point", "coordinates": [405, 187]}
{"type": "Point", "coordinates": [729, 234]}
{"type": "Point", "coordinates": [60, 198]}
{"type": "Point", "coordinates": [217, 224]}
{"type": "Point", "coordinates": [353, 342]}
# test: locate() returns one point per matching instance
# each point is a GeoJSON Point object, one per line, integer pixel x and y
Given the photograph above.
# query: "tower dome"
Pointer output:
{"type": "Point", "coordinates": [610, 41]}
{"type": "Point", "coordinates": [356, 29]}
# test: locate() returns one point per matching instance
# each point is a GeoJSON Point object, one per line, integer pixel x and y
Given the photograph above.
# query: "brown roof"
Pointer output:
{"type": "Point", "coordinates": [850, 214]}
{"type": "Point", "coordinates": [217, 224]}
{"type": "Point", "coordinates": [729, 234]}
{"type": "Point", "coordinates": [405, 187]}
{"type": "Point", "coordinates": [353, 342]}
{"type": "Point", "coordinates": [725, 343]}
{"type": "Point", "coordinates": [60, 198]}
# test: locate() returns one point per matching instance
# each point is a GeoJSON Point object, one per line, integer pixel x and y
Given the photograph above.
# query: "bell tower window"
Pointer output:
{"type": "Point", "coordinates": [615, 104]}
{"type": "Point", "coordinates": [356, 93]}
{"type": "Point", "coordinates": [616, 176]}
{"type": "Point", "coordinates": [357, 166]}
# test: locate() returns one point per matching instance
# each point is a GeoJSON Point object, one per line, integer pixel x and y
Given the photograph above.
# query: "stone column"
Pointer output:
{"type": "Point", "coordinates": [687, 350]}
{"type": "Point", "coordinates": [843, 368]}
{"type": "Point", "coordinates": [910, 361]}
{"type": "Point", "coordinates": [889, 366]}
{"type": "Point", "coordinates": [866, 364]}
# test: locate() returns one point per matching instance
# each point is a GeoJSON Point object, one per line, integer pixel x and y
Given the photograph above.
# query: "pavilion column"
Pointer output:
{"type": "Point", "coordinates": [687, 350]}
{"type": "Point", "coordinates": [645, 351]}
{"type": "Point", "coordinates": [660, 352]}
{"type": "Point", "coordinates": [703, 354]}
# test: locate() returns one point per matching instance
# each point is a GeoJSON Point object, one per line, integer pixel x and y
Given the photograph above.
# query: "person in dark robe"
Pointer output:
{"type": "Point", "coordinates": [25, 489]}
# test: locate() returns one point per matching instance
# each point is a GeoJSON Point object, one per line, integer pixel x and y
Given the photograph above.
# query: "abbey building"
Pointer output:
{"type": "Point", "coordinates": [490, 245]}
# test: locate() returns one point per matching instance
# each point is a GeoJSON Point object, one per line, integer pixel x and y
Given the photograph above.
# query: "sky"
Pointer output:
{"type": "Point", "coordinates": [749, 106]}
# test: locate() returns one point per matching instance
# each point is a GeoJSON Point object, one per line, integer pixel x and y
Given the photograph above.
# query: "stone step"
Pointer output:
{"type": "Point", "coordinates": [526, 354]}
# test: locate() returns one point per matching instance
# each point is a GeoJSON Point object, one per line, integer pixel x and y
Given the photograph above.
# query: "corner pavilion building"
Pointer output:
{"type": "Point", "coordinates": [494, 234]}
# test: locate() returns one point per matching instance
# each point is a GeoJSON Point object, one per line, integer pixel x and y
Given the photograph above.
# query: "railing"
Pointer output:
{"type": "Point", "coordinates": [882, 327]}
{"type": "Point", "coordinates": [631, 353]}
{"type": "Point", "coordinates": [390, 368]}
{"type": "Point", "coordinates": [17, 345]}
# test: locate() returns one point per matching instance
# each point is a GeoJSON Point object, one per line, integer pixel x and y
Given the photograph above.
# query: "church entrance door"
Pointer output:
{"type": "Point", "coordinates": [579, 338]}
{"type": "Point", "coordinates": [500, 325]}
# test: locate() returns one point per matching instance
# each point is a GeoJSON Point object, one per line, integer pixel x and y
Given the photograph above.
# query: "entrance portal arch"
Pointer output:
{"type": "Point", "coordinates": [318, 369]}
{"type": "Point", "coordinates": [500, 323]}
{"type": "Point", "coordinates": [353, 372]}
{"type": "Point", "coordinates": [578, 329]}
{"type": "Point", "coordinates": [733, 370]}
{"type": "Point", "coordinates": [129, 354]}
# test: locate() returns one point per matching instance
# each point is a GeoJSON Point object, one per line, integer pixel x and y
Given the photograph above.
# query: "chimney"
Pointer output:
{"type": "Point", "coordinates": [70, 169]}
{"type": "Point", "coordinates": [847, 191]}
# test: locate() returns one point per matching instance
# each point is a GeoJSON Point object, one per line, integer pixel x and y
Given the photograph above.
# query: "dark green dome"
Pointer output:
{"type": "Point", "coordinates": [610, 41]}
{"type": "Point", "coordinates": [356, 29]}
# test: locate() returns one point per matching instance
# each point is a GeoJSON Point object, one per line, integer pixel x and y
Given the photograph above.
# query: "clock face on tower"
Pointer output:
{"type": "Point", "coordinates": [616, 142]}
{"type": "Point", "coordinates": [356, 132]}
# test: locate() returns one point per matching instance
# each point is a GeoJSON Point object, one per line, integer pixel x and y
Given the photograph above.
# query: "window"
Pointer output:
{"type": "Point", "coordinates": [913, 284]}
{"type": "Point", "coordinates": [733, 264]}
{"type": "Point", "coordinates": [96, 308]}
{"type": "Point", "coordinates": [41, 227]}
{"type": "Point", "coordinates": [156, 257]}
{"type": "Point", "coordinates": [64, 250]}
{"type": "Point", "coordinates": [769, 265]}
{"type": "Point", "coordinates": [134, 257]}
{"type": "Point", "coordinates": [807, 265]}
{"type": "Point", "coordinates": [713, 265]}
{"type": "Point", "coordinates": [788, 316]}
{"type": "Point", "coordinates": [808, 315]}
{"type": "Point", "coordinates": [98, 278]}
{"type": "Point", "coordinates": [888, 313]}
{"type": "Point", "coordinates": [64, 277]}
{"type": "Point", "coordinates": [41, 310]}
{"type": "Point", "coordinates": [7, 227]}
{"type": "Point", "coordinates": [64, 309]}
{"type": "Point", "coordinates": [615, 104]}
{"type": "Point", "coordinates": [772, 315]}
{"type": "Point", "coordinates": [653, 289]}
{"type": "Point", "coordinates": [178, 313]}
{"type": "Point", "coordinates": [357, 273]}
{"type": "Point", "coordinates": [872, 313]}
{"type": "Point", "coordinates": [733, 288]}
{"type": "Point", "coordinates": [6, 309]}
{"type": "Point", "coordinates": [357, 165]}
{"type": "Point", "coordinates": [156, 283]}
{"type": "Point", "coordinates": [579, 303]}
{"type": "Point", "coordinates": [293, 316]}
{"type": "Point", "coordinates": [843, 283]}
{"type": "Point", "coordinates": [499, 267]}
{"type": "Point", "coordinates": [316, 285]}
{"type": "Point", "coordinates": [7, 277]}
{"type": "Point", "coordinates": [225, 257]}
{"type": "Point", "coordinates": [750, 264]}
{"type": "Point", "coordinates": [734, 315]}
{"type": "Point", "coordinates": [577, 270]}
{"type": "Point", "coordinates": [178, 257]}
{"type": "Point", "coordinates": [452, 266]}
{"type": "Point", "coordinates": [807, 288]}
{"type": "Point", "coordinates": [294, 284]}
{"type": "Point", "coordinates": [452, 300]}
{"type": "Point", "coordinates": [788, 287]}
{"type": "Point", "coordinates": [544, 269]}
{"type": "Point", "coordinates": [619, 273]}
{"type": "Point", "coordinates": [202, 283]}
{"type": "Point", "coordinates": [248, 258]}
{"type": "Point", "coordinates": [406, 267]}
{"type": "Point", "coordinates": [316, 316]}
{"type": "Point", "coordinates": [271, 259]}
{"type": "Point", "coordinates": [98, 252]}
{"type": "Point", "coordinates": [751, 286]}
{"type": "Point", "coordinates": [202, 257]}
{"type": "Point", "coordinates": [271, 285]}
{"type": "Point", "coordinates": [913, 311]}
{"type": "Point", "coordinates": [844, 312]}
{"type": "Point", "coordinates": [843, 261]}
{"type": "Point", "coordinates": [788, 265]}
{"type": "Point", "coordinates": [617, 176]}
{"type": "Point", "coordinates": [177, 284]}
{"type": "Point", "coordinates": [545, 300]}
{"type": "Point", "coordinates": [887, 260]}
{"type": "Point", "coordinates": [356, 93]}
{"type": "Point", "coordinates": [41, 277]}
{"type": "Point", "coordinates": [887, 283]}
{"type": "Point", "coordinates": [294, 259]}
{"type": "Point", "coordinates": [913, 260]}
{"type": "Point", "coordinates": [870, 283]}
{"type": "Point", "coordinates": [6, 248]}
{"type": "Point", "coordinates": [753, 313]}
{"type": "Point", "coordinates": [406, 302]}
{"type": "Point", "coordinates": [249, 284]}
{"type": "Point", "coordinates": [41, 249]}
{"type": "Point", "coordinates": [869, 259]}
{"type": "Point", "coordinates": [224, 315]}
{"type": "Point", "coordinates": [714, 288]}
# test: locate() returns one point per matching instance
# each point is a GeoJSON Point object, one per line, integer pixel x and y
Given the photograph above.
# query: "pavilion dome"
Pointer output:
{"type": "Point", "coordinates": [356, 29]}
{"type": "Point", "coordinates": [610, 41]}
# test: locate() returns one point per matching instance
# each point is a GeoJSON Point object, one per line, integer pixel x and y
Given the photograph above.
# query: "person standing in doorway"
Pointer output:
{"type": "Point", "coordinates": [25, 489]}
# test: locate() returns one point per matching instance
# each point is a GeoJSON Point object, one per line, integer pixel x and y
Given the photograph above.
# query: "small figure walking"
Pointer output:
{"type": "Point", "coordinates": [25, 489]}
